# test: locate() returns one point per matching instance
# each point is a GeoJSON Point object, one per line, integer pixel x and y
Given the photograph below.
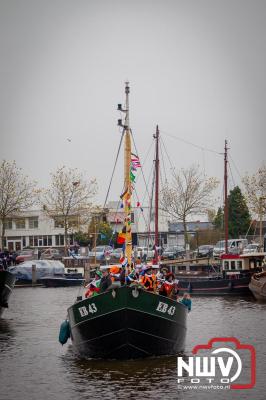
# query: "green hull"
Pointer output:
{"type": "Point", "coordinates": [127, 323]}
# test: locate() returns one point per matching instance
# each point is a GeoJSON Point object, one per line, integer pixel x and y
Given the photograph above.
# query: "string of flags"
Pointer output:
{"type": "Point", "coordinates": [134, 165]}
{"type": "Point", "coordinates": [125, 197]}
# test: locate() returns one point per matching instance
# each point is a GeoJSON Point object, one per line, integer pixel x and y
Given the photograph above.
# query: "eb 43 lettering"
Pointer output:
{"type": "Point", "coordinates": [164, 308]}
{"type": "Point", "coordinates": [86, 310]}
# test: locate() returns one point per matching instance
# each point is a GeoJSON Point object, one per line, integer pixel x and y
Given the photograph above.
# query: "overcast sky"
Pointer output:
{"type": "Point", "coordinates": [196, 68]}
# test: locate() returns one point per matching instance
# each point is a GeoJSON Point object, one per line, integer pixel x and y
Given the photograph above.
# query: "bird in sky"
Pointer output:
{"type": "Point", "coordinates": [69, 140]}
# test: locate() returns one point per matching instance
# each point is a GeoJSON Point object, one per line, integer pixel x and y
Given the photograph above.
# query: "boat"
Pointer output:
{"type": "Point", "coordinates": [232, 280]}
{"type": "Point", "coordinates": [7, 282]}
{"type": "Point", "coordinates": [231, 277]}
{"type": "Point", "coordinates": [258, 285]}
{"type": "Point", "coordinates": [127, 322]}
{"type": "Point", "coordinates": [71, 277]}
{"type": "Point", "coordinates": [30, 272]}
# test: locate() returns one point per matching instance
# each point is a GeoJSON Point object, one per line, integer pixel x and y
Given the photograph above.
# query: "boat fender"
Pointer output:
{"type": "Point", "coordinates": [230, 285]}
{"type": "Point", "coordinates": [113, 293]}
{"type": "Point", "coordinates": [189, 288]}
{"type": "Point", "coordinates": [64, 333]}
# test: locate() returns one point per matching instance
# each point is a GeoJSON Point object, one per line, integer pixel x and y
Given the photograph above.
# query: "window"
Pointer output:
{"type": "Point", "coordinates": [20, 223]}
{"type": "Point", "coordinates": [73, 221]}
{"type": "Point", "coordinates": [58, 222]}
{"type": "Point", "coordinates": [226, 265]}
{"type": "Point", "coordinates": [239, 264]}
{"type": "Point", "coordinates": [40, 241]}
{"type": "Point", "coordinates": [8, 224]}
{"type": "Point", "coordinates": [33, 222]}
{"type": "Point", "coordinates": [233, 265]}
{"type": "Point", "coordinates": [59, 240]}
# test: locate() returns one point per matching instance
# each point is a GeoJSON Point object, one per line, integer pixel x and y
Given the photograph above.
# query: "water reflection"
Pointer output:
{"type": "Point", "coordinates": [146, 378]}
{"type": "Point", "coordinates": [7, 334]}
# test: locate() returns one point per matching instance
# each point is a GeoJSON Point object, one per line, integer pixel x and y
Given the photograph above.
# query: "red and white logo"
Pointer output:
{"type": "Point", "coordinates": [222, 363]}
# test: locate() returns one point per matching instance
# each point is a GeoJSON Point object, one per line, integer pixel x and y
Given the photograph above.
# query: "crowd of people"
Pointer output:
{"type": "Point", "coordinates": [149, 277]}
{"type": "Point", "coordinates": [7, 258]}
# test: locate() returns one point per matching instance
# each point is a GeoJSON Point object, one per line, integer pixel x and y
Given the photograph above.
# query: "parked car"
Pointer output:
{"type": "Point", "coordinates": [173, 252]}
{"type": "Point", "coordinates": [142, 251]}
{"type": "Point", "coordinates": [116, 255]}
{"type": "Point", "coordinates": [235, 246]}
{"type": "Point", "coordinates": [51, 254]}
{"type": "Point", "coordinates": [251, 248]}
{"type": "Point", "coordinates": [205, 250]}
{"type": "Point", "coordinates": [101, 252]}
{"type": "Point", "coordinates": [26, 255]}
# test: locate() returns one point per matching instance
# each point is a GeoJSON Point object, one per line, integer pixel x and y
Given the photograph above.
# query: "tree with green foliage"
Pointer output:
{"type": "Point", "coordinates": [99, 232]}
{"type": "Point", "coordinates": [105, 233]}
{"type": "Point", "coordinates": [82, 238]}
{"type": "Point", "coordinates": [238, 214]}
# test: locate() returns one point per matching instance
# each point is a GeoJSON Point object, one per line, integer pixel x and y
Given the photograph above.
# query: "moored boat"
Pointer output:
{"type": "Point", "coordinates": [7, 282]}
{"type": "Point", "coordinates": [233, 279]}
{"type": "Point", "coordinates": [236, 269]}
{"type": "Point", "coordinates": [258, 285]}
{"type": "Point", "coordinates": [32, 271]}
{"type": "Point", "coordinates": [63, 280]}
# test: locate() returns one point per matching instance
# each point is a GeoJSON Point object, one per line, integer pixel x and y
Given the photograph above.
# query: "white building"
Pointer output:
{"type": "Point", "coordinates": [34, 228]}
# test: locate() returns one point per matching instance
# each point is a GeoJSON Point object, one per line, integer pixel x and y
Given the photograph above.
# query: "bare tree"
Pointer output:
{"type": "Point", "coordinates": [17, 193]}
{"type": "Point", "coordinates": [255, 191]}
{"type": "Point", "coordinates": [69, 198]}
{"type": "Point", "coordinates": [190, 193]}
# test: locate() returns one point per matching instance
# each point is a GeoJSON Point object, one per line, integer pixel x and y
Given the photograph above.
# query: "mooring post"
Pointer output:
{"type": "Point", "coordinates": [87, 272]}
{"type": "Point", "coordinates": [33, 275]}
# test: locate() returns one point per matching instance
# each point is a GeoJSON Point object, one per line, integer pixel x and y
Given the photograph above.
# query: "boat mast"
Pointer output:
{"type": "Point", "coordinates": [127, 181]}
{"type": "Point", "coordinates": [225, 198]}
{"type": "Point", "coordinates": [156, 238]}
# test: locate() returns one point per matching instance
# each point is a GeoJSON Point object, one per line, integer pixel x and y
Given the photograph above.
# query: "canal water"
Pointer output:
{"type": "Point", "coordinates": [34, 366]}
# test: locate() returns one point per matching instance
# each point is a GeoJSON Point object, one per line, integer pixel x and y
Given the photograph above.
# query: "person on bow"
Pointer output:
{"type": "Point", "coordinates": [106, 280]}
{"type": "Point", "coordinates": [186, 300]}
{"type": "Point", "coordinates": [94, 286]}
{"type": "Point", "coordinates": [115, 272]}
{"type": "Point", "coordinates": [147, 280]}
{"type": "Point", "coordinates": [167, 288]}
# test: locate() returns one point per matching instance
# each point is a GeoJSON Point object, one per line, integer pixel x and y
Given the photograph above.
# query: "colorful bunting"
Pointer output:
{"type": "Point", "coordinates": [135, 161]}
{"type": "Point", "coordinates": [121, 237]}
